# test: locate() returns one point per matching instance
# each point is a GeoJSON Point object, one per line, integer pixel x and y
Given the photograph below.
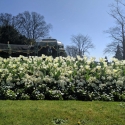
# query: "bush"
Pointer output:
{"type": "Point", "coordinates": [62, 78]}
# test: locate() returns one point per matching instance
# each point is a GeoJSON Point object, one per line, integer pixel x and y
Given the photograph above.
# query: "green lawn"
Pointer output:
{"type": "Point", "coordinates": [61, 113]}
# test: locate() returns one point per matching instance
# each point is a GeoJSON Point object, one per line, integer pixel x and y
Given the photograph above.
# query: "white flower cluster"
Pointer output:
{"type": "Point", "coordinates": [38, 69]}
{"type": "Point", "coordinates": [31, 71]}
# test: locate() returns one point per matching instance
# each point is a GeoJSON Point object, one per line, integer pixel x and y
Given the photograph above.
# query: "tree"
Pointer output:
{"type": "Point", "coordinates": [8, 33]}
{"type": "Point", "coordinates": [118, 53]}
{"type": "Point", "coordinates": [81, 45]}
{"type": "Point", "coordinates": [32, 25]}
{"type": "Point", "coordinates": [6, 19]}
{"type": "Point", "coordinates": [117, 33]}
{"type": "Point", "coordinates": [71, 51]}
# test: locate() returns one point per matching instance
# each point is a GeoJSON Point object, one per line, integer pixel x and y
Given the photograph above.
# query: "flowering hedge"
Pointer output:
{"type": "Point", "coordinates": [62, 78]}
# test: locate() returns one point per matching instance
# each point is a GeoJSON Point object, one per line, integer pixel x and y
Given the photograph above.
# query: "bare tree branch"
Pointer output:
{"type": "Point", "coordinates": [71, 51]}
{"type": "Point", "coordinates": [117, 33]}
{"type": "Point", "coordinates": [81, 45]}
{"type": "Point", "coordinates": [32, 25]}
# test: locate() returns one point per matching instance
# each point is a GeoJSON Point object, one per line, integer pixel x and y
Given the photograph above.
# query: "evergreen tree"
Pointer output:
{"type": "Point", "coordinates": [118, 53]}
{"type": "Point", "coordinates": [9, 33]}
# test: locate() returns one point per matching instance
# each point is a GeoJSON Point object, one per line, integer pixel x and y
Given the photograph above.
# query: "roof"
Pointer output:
{"type": "Point", "coordinates": [49, 40]}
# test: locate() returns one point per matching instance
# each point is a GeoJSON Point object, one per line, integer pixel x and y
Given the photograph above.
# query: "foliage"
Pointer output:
{"type": "Point", "coordinates": [23, 28]}
{"type": "Point", "coordinates": [62, 78]}
{"type": "Point", "coordinates": [9, 33]}
{"type": "Point", "coordinates": [118, 53]}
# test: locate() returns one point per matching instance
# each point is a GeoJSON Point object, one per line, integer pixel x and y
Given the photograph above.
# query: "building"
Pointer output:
{"type": "Point", "coordinates": [49, 47]}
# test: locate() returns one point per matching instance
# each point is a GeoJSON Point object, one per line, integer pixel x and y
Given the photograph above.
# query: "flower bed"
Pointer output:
{"type": "Point", "coordinates": [61, 78]}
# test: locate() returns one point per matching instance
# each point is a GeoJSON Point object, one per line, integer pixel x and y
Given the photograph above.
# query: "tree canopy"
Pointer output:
{"type": "Point", "coordinates": [32, 25]}
{"type": "Point", "coordinates": [118, 53]}
{"type": "Point", "coordinates": [8, 33]}
{"type": "Point", "coordinates": [22, 28]}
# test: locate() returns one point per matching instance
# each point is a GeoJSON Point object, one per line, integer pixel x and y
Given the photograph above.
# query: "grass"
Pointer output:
{"type": "Point", "coordinates": [61, 113]}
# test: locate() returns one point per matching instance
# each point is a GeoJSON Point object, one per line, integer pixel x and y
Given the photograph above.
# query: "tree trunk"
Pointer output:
{"type": "Point", "coordinates": [123, 50]}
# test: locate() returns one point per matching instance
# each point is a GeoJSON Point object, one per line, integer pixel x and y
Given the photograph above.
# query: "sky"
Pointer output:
{"type": "Point", "coordinates": [70, 17]}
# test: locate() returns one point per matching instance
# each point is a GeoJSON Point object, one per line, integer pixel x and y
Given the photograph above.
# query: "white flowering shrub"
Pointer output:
{"type": "Point", "coordinates": [61, 78]}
